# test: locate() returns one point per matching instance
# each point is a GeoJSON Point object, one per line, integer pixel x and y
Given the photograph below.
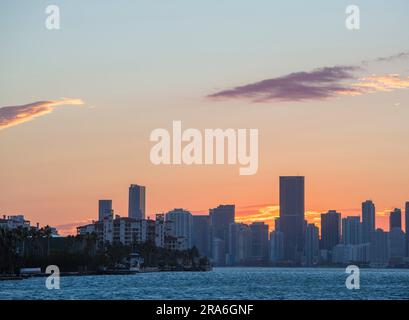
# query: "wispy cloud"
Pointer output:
{"type": "Point", "coordinates": [14, 115]}
{"type": "Point", "coordinates": [385, 83]}
{"type": "Point", "coordinates": [401, 55]}
{"type": "Point", "coordinates": [318, 84]}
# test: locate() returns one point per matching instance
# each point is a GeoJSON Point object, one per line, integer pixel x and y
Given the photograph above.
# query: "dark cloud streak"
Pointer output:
{"type": "Point", "coordinates": [318, 84]}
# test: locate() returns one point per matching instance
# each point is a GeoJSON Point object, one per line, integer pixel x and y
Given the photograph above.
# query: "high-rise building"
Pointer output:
{"type": "Point", "coordinates": [259, 241]}
{"type": "Point", "coordinates": [277, 226]}
{"type": "Point", "coordinates": [137, 204]}
{"type": "Point", "coordinates": [276, 246]}
{"type": "Point", "coordinates": [351, 230]}
{"type": "Point", "coordinates": [201, 234]}
{"type": "Point", "coordinates": [104, 209]}
{"type": "Point", "coordinates": [395, 219]}
{"type": "Point", "coordinates": [330, 229]}
{"type": "Point", "coordinates": [239, 243]}
{"type": "Point", "coordinates": [181, 225]}
{"type": "Point", "coordinates": [292, 216]}
{"type": "Point", "coordinates": [220, 220]}
{"type": "Point", "coordinates": [218, 252]}
{"type": "Point", "coordinates": [379, 248]}
{"type": "Point", "coordinates": [311, 245]}
{"type": "Point", "coordinates": [368, 220]}
{"type": "Point", "coordinates": [397, 245]}
{"type": "Point", "coordinates": [407, 227]}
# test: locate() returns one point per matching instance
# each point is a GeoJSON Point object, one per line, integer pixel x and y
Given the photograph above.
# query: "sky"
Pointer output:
{"type": "Point", "coordinates": [78, 104]}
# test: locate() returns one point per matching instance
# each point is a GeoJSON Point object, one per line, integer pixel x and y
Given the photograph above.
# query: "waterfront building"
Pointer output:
{"type": "Point", "coordinates": [292, 216]}
{"type": "Point", "coordinates": [397, 244]}
{"type": "Point", "coordinates": [351, 230]}
{"type": "Point", "coordinates": [104, 209]}
{"type": "Point", "coordinates": [201, 234]}
{"type": "Point", "coordinates": [239, 243]}
{"type": "Point", "coordinates": [259, 242]}
{"type": "Point", "coordinates": [220, 219]}
{"type": "Point", "coordinates": [181, 225]}
{"type": "Point", "coordinates": [311, 245]}
{"type": "Point", "coordinates": [395, 219]}
{"type": "Point", "coordinates": [407, 227]}
{"type": "Point", "coordinates": [379, 248]}
{"type": "Point", "coordinates": [368, 220]}
{"type": "Point", "coordinates": [330, 229]}
{"type": "Point", "coordinates": [137, 202]}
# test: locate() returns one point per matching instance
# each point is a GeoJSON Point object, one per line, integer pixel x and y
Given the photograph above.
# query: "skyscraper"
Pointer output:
{"type": "Point", "coordinates": [368, 220]}
{"type": "Point", "coordinates": [104, 209]}
{"type": "Point", "coordinates": [292, 216]}
{"type": "Point", "coordinates": [407, 227]}
{"type": "Point", "coordinates": [330, 229]}
{"type": "Point", "coordinates": [276, 246]}
{"type": "Point", "coordinates": [137, 206]}
{"type": "Point", "coordinates": [239, 243]}
{"type": "Point", "coordinates": [395, 219]}
{"type": "Point", "coordinates": [259, 241]}
{"type": "Point", "coordinates": [181, 225]}
{"type": "Point", "coordinates": [311, 245]}
{"type": "Point", "coordinates": [201, 234]}
{"type": "Point", "coordinates": [397, 244]}
{"type": "Point", "coordinates": [220, 220]}
{"type": "Point", "coordinates": [379, 248]}
{"type": "Point", "coordinates": [351, 230]}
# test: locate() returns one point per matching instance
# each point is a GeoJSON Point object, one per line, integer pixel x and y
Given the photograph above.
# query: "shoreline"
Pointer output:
{"type": "Point", "coordinates": [98, 273]}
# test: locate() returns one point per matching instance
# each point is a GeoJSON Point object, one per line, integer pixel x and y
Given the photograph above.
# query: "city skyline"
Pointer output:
{"type": "Point", "coordinates": [293, 242]}
{"type": "Point", "coordinates": [78, 104]}
{"type": "Point", "coordinates": [267, 214]}
{"type": "Point", "coordinates": [225, 241]}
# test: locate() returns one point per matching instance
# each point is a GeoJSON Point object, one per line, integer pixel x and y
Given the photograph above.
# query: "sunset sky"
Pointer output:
{"type": "Point", "coordinates": [77, 105]}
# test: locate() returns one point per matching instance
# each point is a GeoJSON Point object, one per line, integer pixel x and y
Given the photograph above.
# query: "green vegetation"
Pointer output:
{"type": "Point", "coordinates": [20, 248]}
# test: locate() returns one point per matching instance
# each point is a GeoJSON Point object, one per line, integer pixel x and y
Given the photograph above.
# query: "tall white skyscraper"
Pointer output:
{"type": "Point", "coordinates": [181, 224]}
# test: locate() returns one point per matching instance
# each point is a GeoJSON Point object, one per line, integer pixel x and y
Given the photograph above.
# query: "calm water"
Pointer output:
{"type": "Point", "coordinates": [221, 283]}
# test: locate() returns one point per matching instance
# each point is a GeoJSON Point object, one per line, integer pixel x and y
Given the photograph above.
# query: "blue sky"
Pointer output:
{"type": "Point", "coordinates": [139, 65]}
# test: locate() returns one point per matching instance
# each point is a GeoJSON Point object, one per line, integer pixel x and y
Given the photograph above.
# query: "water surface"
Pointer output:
{"type": "Point", "coordinates": [221, 283]}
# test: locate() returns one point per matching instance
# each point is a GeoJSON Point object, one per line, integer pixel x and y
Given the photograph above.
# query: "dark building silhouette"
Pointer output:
{"type": "Point", "coordinates": [395, 219]}
{"type": "Point", "coordinates": [276, 246]}
{"type": "Point", "coordinates": [104, 209]}
{"type": "Point", "coordinates": [137, 206]}
{"type": "Point", "coordinates": [220, 220]}
{"type": "Point", "coordinates": [379, 248]}
{"type": "Point", "coordinates": [201, 234]}
{"type": "Point", "coordinates": [351, 230]}
{"type": "Point", "coordinates": [397, 245]}
{"type": "Point", "coordinates": [259, 241]}
{"type": "Point", "coordinates": [407, 227]}
{"type": "Point", "coordinates": [292, 216]}
{"type": "Point", "coordinates": [368, 220]}
{"type": "Point", "coordinates": [330, 229]}
{"type": "Point", "coordinates": [239, 243]}
{"type": "Point", "coordinates": [311, 245]}
{"type": "Point", "coordinates": [277, 226]}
